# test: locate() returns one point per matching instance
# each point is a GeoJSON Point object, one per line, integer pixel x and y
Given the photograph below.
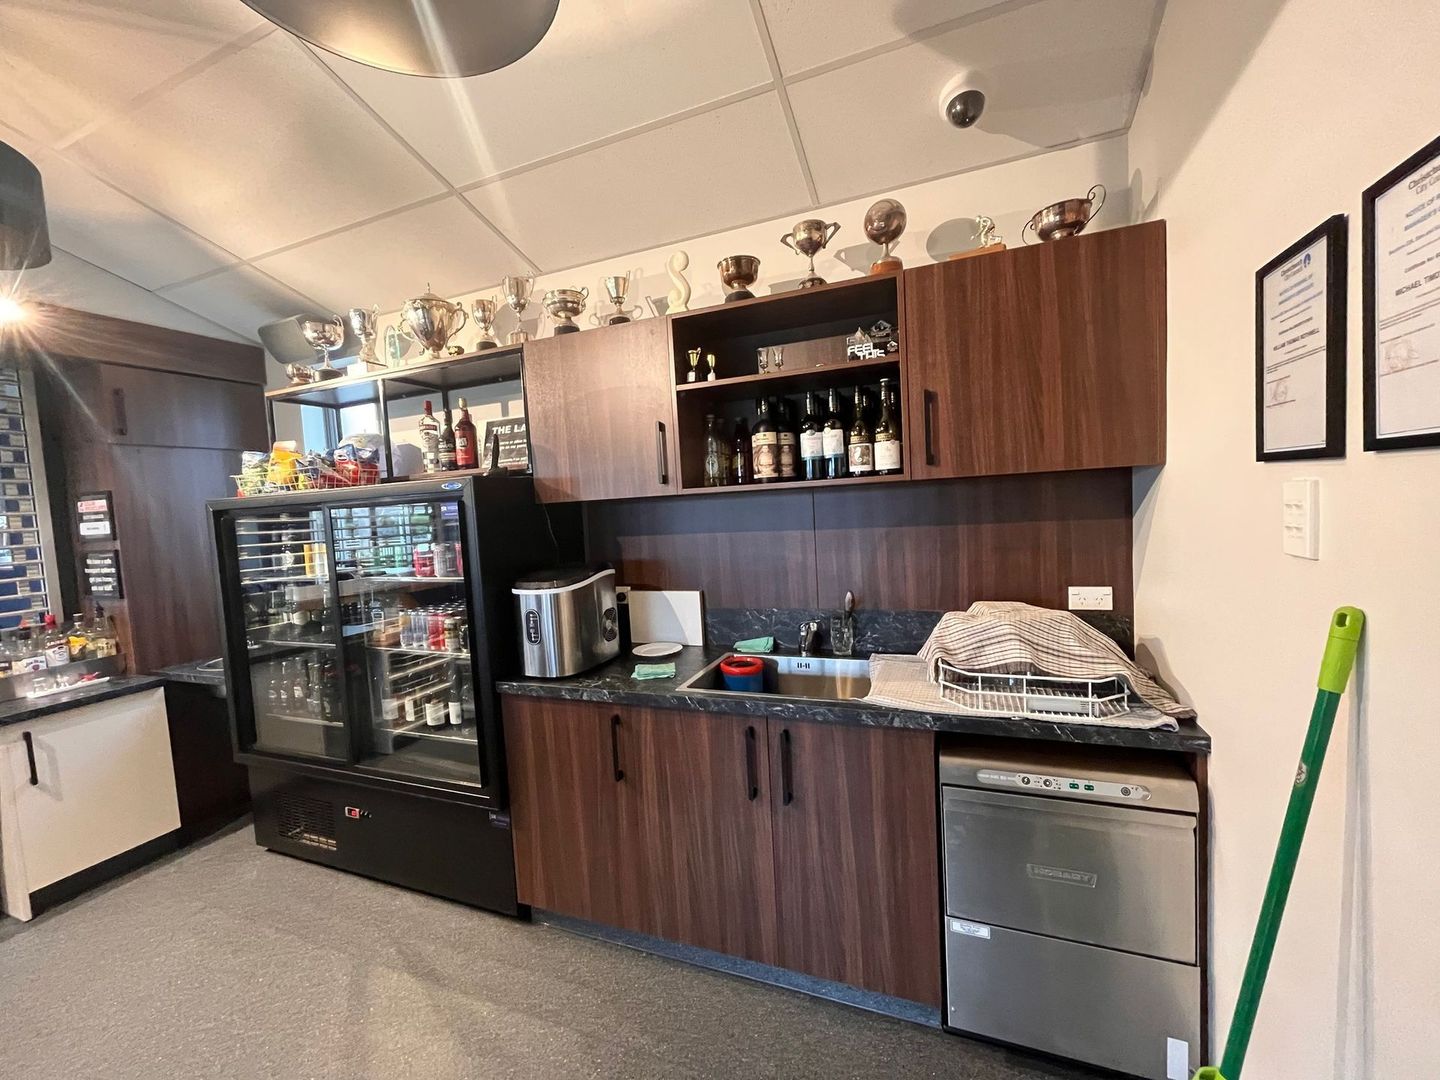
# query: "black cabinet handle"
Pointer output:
{"type": "Point", "coordinates": [787, 777]}
{"type": "Point", "coordinates": [615, 748]}
{"type": "Point", "coordinates": [30, 754]}
{"type": "Point", "coordinates": [662, 455]}
{"type": "Point", "coordinates": [929, 399]}
{"type": "Point", "coordinates": [117, 402]}
{"type": "Point", "coordinates": [752, 769]}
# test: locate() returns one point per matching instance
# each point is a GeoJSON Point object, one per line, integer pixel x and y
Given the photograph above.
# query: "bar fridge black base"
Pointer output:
{"type": "Point", "coordinates": [457, 850]}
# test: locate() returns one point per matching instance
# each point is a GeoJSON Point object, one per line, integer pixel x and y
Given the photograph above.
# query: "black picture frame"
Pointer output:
{"type": "Point", "coordinates": [1335, 230]}
{"type": "Point", "coordinates": [1372, 194]}
{"type": "Point", "coordinates": [95, 524]}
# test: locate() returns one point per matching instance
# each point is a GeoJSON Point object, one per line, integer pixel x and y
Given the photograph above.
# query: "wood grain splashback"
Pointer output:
{"type": "Point", "coordinates": [935, 546]}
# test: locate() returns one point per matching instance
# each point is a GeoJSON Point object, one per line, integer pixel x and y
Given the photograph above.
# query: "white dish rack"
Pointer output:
{"type": "Point", "coordinates": [1036, 697]}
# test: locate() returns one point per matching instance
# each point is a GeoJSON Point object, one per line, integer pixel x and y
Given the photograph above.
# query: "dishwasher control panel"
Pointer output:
{"type": "Point", "coordinates": [1044, 784]}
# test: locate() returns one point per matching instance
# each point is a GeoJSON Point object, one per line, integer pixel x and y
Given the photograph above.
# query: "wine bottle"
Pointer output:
{"type": "Point", "coordinates": [887, 434]}
{"type": "Point", "coordinates": [456, 710]}
{"type": "Point", "coordinates": [447, 445]}
{"type": "Point", "coordinates": [467, 450]}
{"type": "Point", "coordinates": [833, 439]}
{"type": "Point", "coordinates": [789, 442]}
{"type": "Point", "coordinates": [860, 454]}
{"type": "Point", "coordinates": [430, 440]}
{"type": "Point", "coordinates": [812, 442]}
{"type": "Point", "coordinates": [741, 467]}
{"type": "Point", "coordinates": [765, 445]}
{"type": "Point", "coordinates": [716, 453]}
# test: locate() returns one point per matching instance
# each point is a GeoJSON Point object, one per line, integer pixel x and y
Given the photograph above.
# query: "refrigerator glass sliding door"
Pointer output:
{"type": "Point", "coordinates": [403, 578]}
{"type": "Point", "coordinates": [292, 635]}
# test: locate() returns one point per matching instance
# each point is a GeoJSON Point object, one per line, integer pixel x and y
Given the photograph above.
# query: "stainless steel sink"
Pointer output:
{"type": "Point", "coordinates": [822, 678]}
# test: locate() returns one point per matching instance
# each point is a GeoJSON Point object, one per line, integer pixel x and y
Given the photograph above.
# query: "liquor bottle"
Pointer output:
{"type": "Point", "coordinates": [78, 638]}
{"type": "Point", "coordinates": [447, 445]}
{"type": "Point", "coordinates": [103, 639]}
{"type": "Point", "coordinates": [456, 710]}
{"type": "Point", "coordinates": [742, 470]}
{"type": "Point", "coordinates": [55, 643]}
{"type": "Point", "coordinates": [434, 710]}
{"type": "Point", "coordinates": [789, 442]}
{"type": "Point", "coordinates": [765, 445]}
{"type": "Point", "coordinates": [430, 440]}
{"type": "Point", "coordinates": [467, 448]}
{"type": "Point", "coordinates": [833, 439]}
{"type": "Point", "coordinates": [7, 653]}
{"type": "Point", "coordinates": [812, 442]}
{"type": "Point", "coordinates": [860, 454]}
{"type": "Point", "coordinates": [887, 434]}
{"type": "Point", "coordinates": [715, 452]}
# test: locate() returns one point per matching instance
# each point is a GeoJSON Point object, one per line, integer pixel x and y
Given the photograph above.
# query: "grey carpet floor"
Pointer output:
{"type": "Point", "coordinates": [228, 961]}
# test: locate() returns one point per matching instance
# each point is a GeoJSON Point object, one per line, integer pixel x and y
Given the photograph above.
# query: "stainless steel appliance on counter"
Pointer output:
{"type": "Point", "coordinates": [1071, 904]}
{"type": "Point", "coordinates": [568, 620]}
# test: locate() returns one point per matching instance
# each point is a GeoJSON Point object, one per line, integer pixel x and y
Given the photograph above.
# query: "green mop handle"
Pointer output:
{"type": "Point", "coordinates": [1340, 648]}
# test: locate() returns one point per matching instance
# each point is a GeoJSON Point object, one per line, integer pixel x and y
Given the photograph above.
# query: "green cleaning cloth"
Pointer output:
{"type": "Point", "coordinates": [654, 671]}
{"type": "Point", "coordinates": [756, 645]}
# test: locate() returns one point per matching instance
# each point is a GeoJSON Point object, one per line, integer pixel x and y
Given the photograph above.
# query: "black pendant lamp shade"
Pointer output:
{"type": "Point", "coordinates": [435, 38]}
{"type": "Point", "coordinates": [24, 237]}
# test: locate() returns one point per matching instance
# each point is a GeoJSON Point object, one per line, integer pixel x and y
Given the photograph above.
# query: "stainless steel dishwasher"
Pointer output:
{"type": "Point", "coordinates": [1071, 904]}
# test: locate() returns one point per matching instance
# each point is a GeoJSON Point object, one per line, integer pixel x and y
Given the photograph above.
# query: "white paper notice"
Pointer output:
{"type": "Point", "coordinates": [1407, 305]}
{"type": "Point", "coordinates": [1295, 351]}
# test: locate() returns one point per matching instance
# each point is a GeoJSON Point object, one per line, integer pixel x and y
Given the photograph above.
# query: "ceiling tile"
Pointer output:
{"type": "Point", "coordinates": [242, 299]}
{"type": "Point", "coordinates": [1058, 72]}
{"type": "Point", "coordinates": [808, 33]}
{"type": "Point", "coordinates": [261, 150]}
{"type": "Point", "coordinates": [64, 63]}
{"type": "Point", "coordinates": [604, 68]}
{"type": "Point", "coordinates": [710, 172]}
{"type": "Point", "coordinates": [111, 230]}
{"type": "Point", "coordinates": [442, 245]}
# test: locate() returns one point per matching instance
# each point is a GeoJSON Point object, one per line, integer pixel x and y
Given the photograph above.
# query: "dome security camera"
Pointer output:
{"type": "Point", "coordinates": [962, 102]}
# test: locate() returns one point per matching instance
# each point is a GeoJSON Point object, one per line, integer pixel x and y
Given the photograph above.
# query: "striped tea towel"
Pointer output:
{"type": "Point", "coordinates": [904, 682]}
{"type": "Point", "coordinates": [1007, 636]}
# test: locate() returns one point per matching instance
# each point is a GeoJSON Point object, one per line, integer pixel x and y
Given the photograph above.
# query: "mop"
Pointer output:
{"type": "Point", "coordinates": [1340, 647]}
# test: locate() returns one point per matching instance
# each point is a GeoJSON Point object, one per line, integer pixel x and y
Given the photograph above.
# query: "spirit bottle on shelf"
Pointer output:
{"type": "Point", "coordinates": [741, 464]}
{"type": "Point", "coordinates": [765, 445]}
{"type": "Point", "coordinates": [434, 710]}
{"type": "Point", "coordinates": [812, 443]}
{"type": "Point", "coordinates": [833, 439]}
{"type": "Point", "coordinates": [78, 638]}
{"type": "Point", "coordinates": [430, 440]}
{"type": "Point", "coordinates": [103, 639]}
{"type": "Point", "coordinates": [861, 451]}
{"type": "Point", "coordinates": [887, 434]}
{"type": "Point", "coordinates": [55, 643]}
{"type": "Point", "coordinates": [447, 445]}
{"type": "Point", "coordinates": [715, 452]}
{"type": "Point", "coordinates": [456, 710]}
{"type": "Point", "coordinates": [467, 451]}
{"type": "Point", "coordinates": [789, 442]}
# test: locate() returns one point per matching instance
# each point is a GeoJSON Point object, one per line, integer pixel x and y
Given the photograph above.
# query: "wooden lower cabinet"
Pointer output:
{"type": "Point", "coordinates": [856, 856]}
{"type": "Point", "coordinates": [805, 845]}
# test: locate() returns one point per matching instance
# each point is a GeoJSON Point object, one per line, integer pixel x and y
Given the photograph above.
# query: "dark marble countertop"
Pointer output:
{"type": "Point", "coordinates": [22, 709]}
{"type": "Point", "coordinates": [611, 683]}
{"type": "Point", "coordinates": [195, 672]}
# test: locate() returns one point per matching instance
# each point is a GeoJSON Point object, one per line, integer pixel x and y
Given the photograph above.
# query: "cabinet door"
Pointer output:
{"type": "Point", "coordinates": [574, 849]}
{"type": "Point", "coordinates": [105, 785]}
{"type": "Point", "coordinates": [1041, 358]}
{"type": "Point", "coordinates": [856, 856]}
{"type": "Point", "coordinates": [700, 790]}
{"type": "Point", "coordinates": [140, 407]}
{"type": "Point", "coordinates": [601, 410]}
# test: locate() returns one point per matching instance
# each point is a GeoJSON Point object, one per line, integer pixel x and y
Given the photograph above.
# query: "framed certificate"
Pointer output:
{"type": "Point", "coordinates": [1300, 347]}
{"type": "Point", "coordinates": [1401, 257]}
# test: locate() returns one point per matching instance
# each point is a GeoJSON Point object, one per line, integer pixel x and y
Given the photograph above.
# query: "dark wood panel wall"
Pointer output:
{"type": "Point", "coordinates": [935, 546]}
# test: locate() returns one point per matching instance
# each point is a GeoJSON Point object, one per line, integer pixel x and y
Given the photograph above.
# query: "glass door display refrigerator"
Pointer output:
{"type": "Point", "coordinates": [365, 629]}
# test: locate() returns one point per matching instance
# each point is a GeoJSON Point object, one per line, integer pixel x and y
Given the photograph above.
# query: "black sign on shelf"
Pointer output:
{"type": "Point", "coordinates": [102, 575]}
{"type": "Point", "coordinates": [95, 516]}
{"type": "Point", "coordinates": [514, 443]}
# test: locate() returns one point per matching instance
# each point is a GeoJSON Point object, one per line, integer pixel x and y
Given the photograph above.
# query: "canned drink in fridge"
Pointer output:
{"type": "Point", "coordinates": [437, 631]}
{"type": "Point", "coordinates": [424, 562]}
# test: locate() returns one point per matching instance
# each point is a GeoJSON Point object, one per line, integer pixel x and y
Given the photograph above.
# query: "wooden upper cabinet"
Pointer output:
{"type": "Point", "coordinates": [1039, 358]}
{"type": "Point", "coordinates": [601, 409]}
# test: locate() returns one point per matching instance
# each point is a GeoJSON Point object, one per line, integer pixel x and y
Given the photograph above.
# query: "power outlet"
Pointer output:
{"type": "Point", "coordinates": [1092, 598]}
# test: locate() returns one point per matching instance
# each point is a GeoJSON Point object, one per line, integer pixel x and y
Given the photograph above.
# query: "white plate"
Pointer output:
{"type": "Point", "coordinates": [658, 648]}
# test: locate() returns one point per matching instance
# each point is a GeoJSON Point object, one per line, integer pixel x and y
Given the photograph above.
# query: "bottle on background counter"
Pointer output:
{"type": "Point", "coordinates": [741, 465]}
{"type": "Point", "coordinates": [467, 450]}
{"type": "Point", "coordinates": [765, 445]}
{"type": "Point", "coordinates": [430, 439]}
{"type": "Point", "coordinates": [55, 643]}
{"type": "Point", "coordinates": [104, 641]}
{"type": "Point", "coordinates": [78, 638]}
{"type": "Point", "coordinates": [833, 439]}
{"type": "Point", "coordinates": [860, 453]}
{"type": "Point", "coordinates": [447, 445]}
{"type": "Point", "coordinates": [888, 455]}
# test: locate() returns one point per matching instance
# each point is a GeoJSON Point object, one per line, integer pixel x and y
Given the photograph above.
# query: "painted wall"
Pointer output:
{"type": "Point", "coordinates": [1288, 111]}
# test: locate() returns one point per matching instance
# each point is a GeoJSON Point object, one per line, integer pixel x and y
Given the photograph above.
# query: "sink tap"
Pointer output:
{"type": "Point", "coordinates": [809, 637]}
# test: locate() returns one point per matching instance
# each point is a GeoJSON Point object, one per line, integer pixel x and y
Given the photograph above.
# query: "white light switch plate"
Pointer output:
{"type": "Point", "coordinates": [1300, 523]}
{"type": "Point", "coordinates": [1092, 598]}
